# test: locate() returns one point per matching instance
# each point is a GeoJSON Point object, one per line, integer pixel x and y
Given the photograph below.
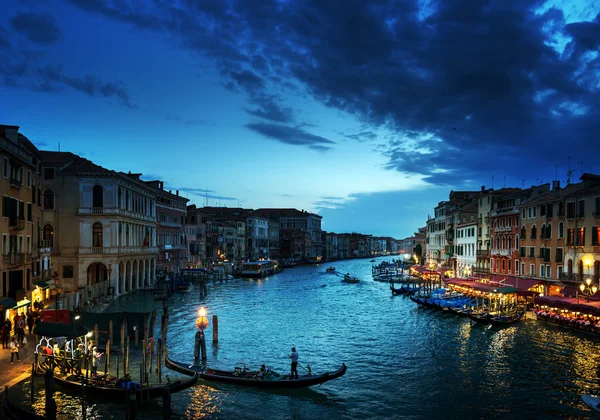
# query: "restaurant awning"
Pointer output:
{"type": "Point", "coordinates": [520, 283]}
{"type": "Point", "coordinates": [505, 290]}
{"type": "Point", "coordinates": [52, 329]}
{"type": "Point", "coordinates": [22, 303]}
{"type": "Point", "coordinates": [42, 284]}
{"type": "Point", "coordinates": [8, 303]}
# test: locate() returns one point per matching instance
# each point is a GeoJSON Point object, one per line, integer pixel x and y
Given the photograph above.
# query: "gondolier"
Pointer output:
{"type": "Point", "coordinates": [294, 357]}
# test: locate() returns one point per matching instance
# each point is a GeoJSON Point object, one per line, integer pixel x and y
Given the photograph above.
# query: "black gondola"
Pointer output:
{"type": "Point", "coordinates": [252, 379]}
{"type": "Point", "coordinates": [12, 411]}
{"type": "Point", "coordinates": [499, 320]}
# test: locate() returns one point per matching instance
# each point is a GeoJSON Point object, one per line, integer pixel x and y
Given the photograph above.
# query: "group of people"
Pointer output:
{"type": "Point", "coordinates": [22, 322]}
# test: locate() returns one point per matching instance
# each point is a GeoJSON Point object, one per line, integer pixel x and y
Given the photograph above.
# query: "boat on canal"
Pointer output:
{"type": "Point", "coordinates": [243, 377]}
{"type": "Point", "coordinates": [500, 320]}
{"type": "Point", "coordinates": [330, 270]}
{"type": "Point", "coordinates": [259, 268]}
{"type": "Point", "coordinates": [592, 401]}
{"type": "Point", "coordinates": [349, 279]}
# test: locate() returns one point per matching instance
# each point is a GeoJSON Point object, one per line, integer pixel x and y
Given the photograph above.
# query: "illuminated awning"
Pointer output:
{"type": "Point", "coordinates": [22, 303]}
{"type": "Point", "coordinates": [42, 284]}
{"type": "Point", "coordinates": [8, 303]}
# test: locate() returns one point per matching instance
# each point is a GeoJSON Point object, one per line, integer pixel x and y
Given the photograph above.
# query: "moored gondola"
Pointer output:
{"type": "Point", "coordinates": [245, 378]}
{"type": "Point", "coordinates": [499, 320]}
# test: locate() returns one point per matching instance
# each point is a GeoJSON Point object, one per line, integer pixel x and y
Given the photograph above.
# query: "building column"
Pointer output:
{"type": "Point", "coordinates": [130, 277]}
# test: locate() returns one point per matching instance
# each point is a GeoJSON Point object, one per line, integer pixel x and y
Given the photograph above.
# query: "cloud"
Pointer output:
{"type": "Point", "coordinates": [362, 136]}
{"type": "Point", "coordinates": [40, 29]}
{"type": "Point", "coordinates": [291, 135]}
{"type": "Point", "coordinates": [484, 80]}
{"type": "Point", "coordinates": [269, 109]}
{"type": "Point", "coordinates": [88, 84]}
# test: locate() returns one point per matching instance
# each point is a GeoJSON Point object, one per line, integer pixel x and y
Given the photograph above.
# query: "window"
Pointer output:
{"type": "Point", "coordinates": [548, 231]}
{"type": "Point", "coordinates": [581, 208]}
{"type": "Point", "coordinates": [570, 236]}
{"type": "Point", "coordinates": [4, 244]}
{"type": "Point", "coordinates": [561, 209]}
{"type": "Point", "coordinates": [33, 193]}
{"type": "Point", "coordinates": [48, 236]}
{"type": "Point", "coordinates": [531, 252]}
{"type": "Point", "coordinates": [533, 232]}
{"type": "Point", "coordinates": [542, 270]}
{"type": "Point", "coordinates": [6, 168]}
{"type": "Point", "coordinates": [532, 269]}
{"type": "Point", "coordinates": [517, 242]}
{"type": "Point", "coordinates": [571, 210]}
{"type": "Point", "coordinates": [523, 214]}
{"type": "Point", "coordinates": [29, 215]}
{"type": "Point", "coordinates": [580, 239]}
{"type": "Point", "coordinates": [28, 179]}
{"type": "Point", "coordinates": [561, 230]}
{"type": "Point", "coordinates": [595, 236]}
{"type": "Point", "coordinates": [543, 232]}
{"type": "Point", "coordinates": [522, 252]}
{"type": "Point", "coordinates": [523, 233]}
{"type": "Point", "coordinates": [559, 271]}
{"type": "Point", "coordinates": [517, 267]}
{"type": "Point", "coordinates": [543, 210]}
{"type": "Point", "coordinates": [48, 173]}
{"type": "Point", "coordinates": [509, 265]}
{"type": "Point", "coordinates": [559, 255]}
{"type": "Point", "coordinates": [21, 210]}
{"type": "Point", "coordinates": [97, 235]}
{"type": "Point", "coordinates": [48, 200]}
{"type": "Point", "coordinates": [597, 209]}
{"type": "Point", "coordinates": [98, 196]}
{"type": "Point", "coordinates": [548, 271]}
{"type": "Point", "coordinates": [67, 272]}
{"type": "Point", "coordinates": [522, 268]}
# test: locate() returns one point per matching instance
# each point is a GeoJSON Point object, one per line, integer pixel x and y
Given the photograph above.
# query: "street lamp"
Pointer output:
{"type": "Point", "coordinates": [467, 271]}
{"type": "Point", "coordinates": [200, 344]}
{"type": "Point", "coordinates": [588, 290]}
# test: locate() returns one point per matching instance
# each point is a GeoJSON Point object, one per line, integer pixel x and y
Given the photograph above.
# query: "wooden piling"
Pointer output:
{"type": "Point", "coordinates": [159, 361]}
{"type": "Point", "coordinates": [151, 354]}
{"type": "Point", "coordinates": [215, 328]}
{"type": "Point", "coordinates": [167, 403]}
{"type": "Point", "coordinates": [123, 339]}
{"type": "Point", "coordinates": [110, 331]}
{"type": "Point", "coordinates": [49, 388]}
{"type": "Point", "coordinates": [126, 370]}
{"type": "Point", "coordinates": [152, 322]}
{"type": "Point", "coordinates": [96, 334]}
{"type": "Point", "coordinates": [32, 390]}
{"type": "Point", "coordinates": [136, 331]}
{"type": "Point", "coordinates": [108, 357]}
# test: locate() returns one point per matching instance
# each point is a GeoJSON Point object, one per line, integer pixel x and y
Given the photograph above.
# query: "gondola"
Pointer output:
{"type": "Point", "coordinates": [252, 379]}
{"type": "Point", "coordinates": [397, 292]}
{"type": "Point", "coordinates": [499, 320]}
{"type": "Point", "coordinates": [349, 279]}
{"type": "Point", "coordinates": [13, 411]}
{"type": "Point", "coordinates": [111, 390]}
{"type": "Point", "coordinates": [592, 401]}
{"type": "Point", "coordinates": [330, 270]}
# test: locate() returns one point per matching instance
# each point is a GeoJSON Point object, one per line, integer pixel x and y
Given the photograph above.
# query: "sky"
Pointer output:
{"type": "Point", "coordinates": [368, 113]}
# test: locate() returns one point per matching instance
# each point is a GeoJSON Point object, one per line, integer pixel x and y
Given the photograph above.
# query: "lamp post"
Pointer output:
{"type": "Point", "coordinates": [587, 290]}
{"type": "Point", "coordinates": [200, 343]}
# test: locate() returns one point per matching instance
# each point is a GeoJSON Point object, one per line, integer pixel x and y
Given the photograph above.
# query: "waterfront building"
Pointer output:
{"type": "Point", "coordinates": [257, 237]}
{"type": "Point", "coordinates": [171, 213]}
{"type": "Point", "coordinates": [360, 245]}
{"type": "Point", "coordinates": [196, 236]}
{"type": "Point", "coordinates": [581, 216]}
{"type": "Point", "coordinates": [102, 225]}
{"type": "Point", "coordinates": [506, 227]}
{"type": "Point", "coordinates": [379, 246]}
{"type": "Point", "coordinates": [274, 227]}
{"type": "Point", "coordinates": [22, 263]}
{"type": "Point", "coordinates": [465, 248]}
{"type": "Point", "coordinates": [436, 234]}
{"type": "Point", "coordinates": [301, 221]}
{"type": "Point", "coordinates": [343, 246]}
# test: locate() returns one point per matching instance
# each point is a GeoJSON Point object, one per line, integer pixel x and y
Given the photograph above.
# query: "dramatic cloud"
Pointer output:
{"type": "Point", "coordinates": [41, 29]}
{"type": "Point", "coordinates": [467, 89]}
{"type": "Point", "coordinates": [291, 135]}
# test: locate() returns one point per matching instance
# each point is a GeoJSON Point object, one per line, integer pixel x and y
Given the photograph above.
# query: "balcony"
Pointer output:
{"type": "Point", "coordinates": [113, 211]}
{"type": "Point", "coordinates": [483, 253]}
{"type": "Point", "coordinates": [16, 224]}
{"type": "Point", "coordinates": [117, 250]}
{"type": "Point", "coordinates": [504, 211]}
{"type": "Point", "coordinates": [171, 224]}
{"type": "Point", "coordinates": [501, 252]}
{"type": "Point", "coordinates": [503, 229]}
{"type": "Point", "coordinates": [15, 182]}
{"type": "Point", "coordinates": [13, 259]}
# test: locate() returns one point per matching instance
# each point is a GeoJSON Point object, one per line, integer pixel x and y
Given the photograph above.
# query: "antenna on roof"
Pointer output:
{"type": "Point", "coordinates": [59, 146]}
{"type": "Point", "coordinates": [522, 184]}
{"type": "Point", "coordinates": [569, 172]}
{"type": "Point", "coordinates": [492, 182]}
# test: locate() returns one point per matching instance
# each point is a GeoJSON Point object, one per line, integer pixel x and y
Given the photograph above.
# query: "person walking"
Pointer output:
{"type": "Point", "coordinates": [5, 335]}
{"type": "Point", "coordinates": [14, 349]}
{"type": "Point", "coordinates": [30, 322]}
{"type": "Point", "coordinates": [20, 329]}
{"type": "Point", "coordinates": [294, 357]}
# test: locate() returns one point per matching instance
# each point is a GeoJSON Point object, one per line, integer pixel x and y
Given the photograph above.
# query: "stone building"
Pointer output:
{"type": "Point", "coordinates": [101, 223]}
{"type": "Point", "coordinates": [171, 212]}
{"type": "Point", "coordinates": [22, 263]}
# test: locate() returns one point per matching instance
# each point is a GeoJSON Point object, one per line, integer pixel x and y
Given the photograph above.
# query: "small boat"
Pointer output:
{"type": "Point", "coordinates": [330, 270]}
{"type": "Point", "coordinates": [186, 286]}
{"type": "Point", "coordinates": [499, 320]}
{"type": "Point", "coordinates": [349, 279]}
{"type": "Point", "coordinates": [592, 401]}
{"type": "Point", "coordinates": [251, 378]}
{"type": "Point", "coordinates": [372, 260]}
{"type": "Point", "coordinates": [13, 411]}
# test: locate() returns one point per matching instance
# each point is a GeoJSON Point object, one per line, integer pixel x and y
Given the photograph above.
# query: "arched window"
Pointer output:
{"type": "Point", "coordinates": [48, 200]}
{"type": "Point", "coordinates": [497, 243]}
{"type": "Point", "coordinates": [533, 232]}
{"type": "Point", "coordinates": [543, 231]}
{"type": "Point", "coordinates": [97, 196]}
{"type": "Point", "coordinates": [97, 235]}
{"type": "Point", "coordinates": [48, 236]}
{"type": "Point", "coordinates": [517, 242]}
{"type": "Point", "coordinates": [127, 199]}
{"type": "Point", "coordinates": [561, 230]}
{"type": "Point", "coordinates": [492, 242]}
{"type": "Point", "coordinates": [548, 231]}
{"type": "Point", "coordinates": [509, 242]}
{"type": "Point", "coordinates": [503, 243]}
{"type": "Point", "coordinates": [523, 233]}
{"type": "Point", "coordinates": [119, 198]}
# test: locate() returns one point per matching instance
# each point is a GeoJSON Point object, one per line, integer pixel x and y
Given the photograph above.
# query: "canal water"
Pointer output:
{"type": "Point", "coordinates": [403, 361]}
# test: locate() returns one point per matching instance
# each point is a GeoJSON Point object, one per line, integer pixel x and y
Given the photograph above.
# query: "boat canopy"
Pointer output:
{"type": "Point", "coordinates": [51, 329]}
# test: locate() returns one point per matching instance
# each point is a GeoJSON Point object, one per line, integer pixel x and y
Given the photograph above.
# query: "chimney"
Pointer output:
{"type": "Point", "coordinates": [169, 191]}
{"type": "Point", "coordinates": [556, 185]}
{"type": "Point", "coordinates": [482, 188]}
{"type": "Point", "coordinates": [176, 192]}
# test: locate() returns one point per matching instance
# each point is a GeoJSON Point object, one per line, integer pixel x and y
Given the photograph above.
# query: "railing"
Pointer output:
{"type": "Point", "coordinates": [503, 229]}
{"type": "Point", "coordinates": [46, 243]}
{"type": "Point", "coordinates": [118, 250]}
{"type": "Point", "coordinates": [503, 252]}
{"type": "Point", "coordinates": [16, 150]}
{"type": "Point", "coordinates": [18, 224]}
{"type": "Point", "coordinates": [82, 211]}
{"type": "Point", "coordinates": [483, 253]}
{"type": "Point", "coordinates": [15, 182]}
{"type": "Point", "coordinates": [504, 211]}
{"type": "Point", "coordinates": [14, 259]}
{"type": "Point", "coordinates": [171, 224]}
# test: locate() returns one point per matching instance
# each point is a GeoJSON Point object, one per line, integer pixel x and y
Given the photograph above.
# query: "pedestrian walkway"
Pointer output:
{"type": "Point", "coordinates": [15, 373]}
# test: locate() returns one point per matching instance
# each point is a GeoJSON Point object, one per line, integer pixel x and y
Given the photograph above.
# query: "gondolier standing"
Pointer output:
{"type": "Point", "coordinates": [294, 357]}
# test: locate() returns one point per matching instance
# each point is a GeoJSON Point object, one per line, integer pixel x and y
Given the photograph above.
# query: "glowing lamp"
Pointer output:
{"type": "Point", "coordinates": [582, 287]}
{"type": "Point", "coordinates": [202, 321]}
{"type": "Point", "coordinates": [588, 281]}
{"type": "Point", "coordinates": [89, 335]}
{"type": "Point", "coordinates": [594, 289]}
{"type": "Point", "coordinates": [202, 311]}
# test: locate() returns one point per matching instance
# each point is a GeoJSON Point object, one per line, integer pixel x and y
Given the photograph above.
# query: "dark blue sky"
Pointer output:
{"type": "Point", "coordinates": [366, 112]}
